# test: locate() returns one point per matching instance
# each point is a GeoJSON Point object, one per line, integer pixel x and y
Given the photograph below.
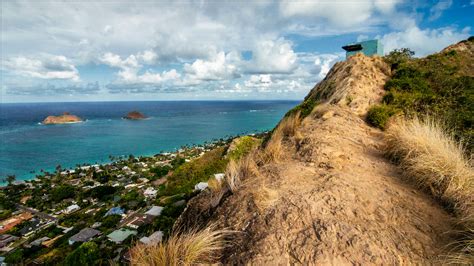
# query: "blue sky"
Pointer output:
{"type": "Point", "coordinates": [193, 50]}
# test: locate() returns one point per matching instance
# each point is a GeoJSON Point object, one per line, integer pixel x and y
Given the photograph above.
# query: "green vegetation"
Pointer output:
{"type": "Point", "coordinates": [305, 108]}
{"type": "Point", "coordinates": [243, 146]}
{"type": "Point", "coordinates": [441, 85]}
{"type": "Point", "coordinates": [63, 192]}
{"type": "Point", "coordinates": [379, 115]}
{"type": "Point", "coordinates": [189, 174]}
{"type": "Point", "coordinates": [86, 254]}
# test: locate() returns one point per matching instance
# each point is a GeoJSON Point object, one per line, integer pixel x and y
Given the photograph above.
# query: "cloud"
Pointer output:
{"type": "Point", "coordinates": [323, 63]}
{"type": "Point", "coordinates": [423, 41]}
{"type": "Point", "coordinates": [343, 15]}
{"type": "Point", "coordinates": [54, 89]}
{"type": "Point", "coordinates": [48, 67]}
{"type": "Point", "coordinates": [220, 67]}
{"type": "Point", "coordinates": [437, 10]}
{"type": "Point", "coordinates": [130, 66]}
{"type": "Point", "coordinates": [272, 57]}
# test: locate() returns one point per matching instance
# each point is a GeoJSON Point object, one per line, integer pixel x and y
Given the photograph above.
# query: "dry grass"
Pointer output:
{"type": "Point", "coordinates": [435, 161]}
{"type": "Point", "coordinates": [215, 185]}
{"type": "Point", "coordinates": [287, 128]}
{"type": "Point", "coordinates": [191, 248]}
{"type": "Point", "coordinates": [265, 197]}
{"type": "Point", "coordinates": [218, 189]}
{"type": "Point", "coordinates": [238, 171]}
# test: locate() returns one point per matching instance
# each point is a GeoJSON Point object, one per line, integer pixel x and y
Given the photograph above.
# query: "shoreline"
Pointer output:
{"type": "Point", "coordinates": [37, 174]}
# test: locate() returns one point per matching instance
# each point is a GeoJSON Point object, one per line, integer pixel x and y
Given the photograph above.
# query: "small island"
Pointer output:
{"type": "Point", "coordinates": [65, 118]}
{"type": "Point", "coordinates": [134, 115]}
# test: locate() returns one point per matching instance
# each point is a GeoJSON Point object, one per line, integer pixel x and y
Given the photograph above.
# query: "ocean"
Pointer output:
{"type": "Point", "coordinates": [28, 146]}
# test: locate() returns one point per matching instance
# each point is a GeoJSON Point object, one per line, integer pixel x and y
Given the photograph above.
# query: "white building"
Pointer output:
{"type": "Point", "coordinates": [201, 186]}
{"type": "Point", "coordinates": [150, 192]}
{"type": "Point", "coordinates": [154, 211]}
{"type": "Point", "coordinates": [72, 208]}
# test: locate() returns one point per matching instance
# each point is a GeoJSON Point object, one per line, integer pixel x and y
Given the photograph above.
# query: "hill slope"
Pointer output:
{"type": "Point", "coordinates": [329, 196]}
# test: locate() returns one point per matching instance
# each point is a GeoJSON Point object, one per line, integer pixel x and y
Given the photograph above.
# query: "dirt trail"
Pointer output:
{"type": "Point", "coordinates": [332, 198]}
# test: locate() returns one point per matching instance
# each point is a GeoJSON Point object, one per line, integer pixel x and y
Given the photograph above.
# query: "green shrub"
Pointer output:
{"type": "Point", "coordinates": [378, 115]}
{"type": "Point", "coordinates": [440, 85]}
{"type": "Point", "coordinates": [305, 108]}
{"type": "Point", "coordinates": [244, 145]}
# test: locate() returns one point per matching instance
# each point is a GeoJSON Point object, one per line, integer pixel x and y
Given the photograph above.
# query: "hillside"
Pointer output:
{"type": "Point", "coordinates": [322, 190]}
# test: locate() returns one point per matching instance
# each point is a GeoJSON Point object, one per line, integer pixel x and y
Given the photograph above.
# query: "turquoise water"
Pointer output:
{"type": "Point", "coordinates": [27, 146]}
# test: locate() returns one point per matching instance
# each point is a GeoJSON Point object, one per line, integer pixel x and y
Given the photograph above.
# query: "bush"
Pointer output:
{"type": "Point", "coordinates": [86, 254]}
{"type": "Point", "coordinates": [397, 56]}
{"type": "Point", "coordinates": [441, 85]}
{"type": "Point", "coordinates": [378, 115]}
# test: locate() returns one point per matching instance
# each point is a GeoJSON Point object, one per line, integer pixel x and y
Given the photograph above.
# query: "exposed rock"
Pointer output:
{"type": "Point", "coordinates": [135, 115]}
{"type": "Point", "coordinates": [62, 119]}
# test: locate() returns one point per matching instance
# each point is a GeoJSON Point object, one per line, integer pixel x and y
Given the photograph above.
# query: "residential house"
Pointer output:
{"type": "Point", "coordinates": [84, 235]}
{"type": "Point", "coordinates": [155, 211]}
{"type": "Point", "coordinates": [138, 219]}
{"type": "Point", "coordinates": [150, 192]}
{"type": "Point", "coordinates": [153, 239]}
{"type": "Point", "coordinates": [6, 239]}
{"type": "Point", "coordinates": [115, 211]}
{"type": "Point", "coordinates": [118, 236]}
{"type": "Point", "coordinates": [31, 227]}
{"type": "Point", "coordinates": [72, 208]}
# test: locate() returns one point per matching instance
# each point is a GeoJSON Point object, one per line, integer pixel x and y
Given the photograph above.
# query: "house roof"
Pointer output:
{"type": "Point", "coordinates": [154, 238]}
{"type": "Point", "coordinates": [121, 234]}
{"type": "Point", "coordinates": [84, 235]}
{"type": "Point", "coordinates": [154, 211]}
{"type": "Point", "coordinates": [32, 225]}
{"type": "Point", "coordinates": [352, 47]}
{"type": "Point", "coordinates": [115, 210]}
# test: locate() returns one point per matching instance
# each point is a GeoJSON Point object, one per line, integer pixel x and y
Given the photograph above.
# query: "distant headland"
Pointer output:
{"type": "Point", "coordinates": [65, 118]}
{"type": "Point", "coordinates": [134, 115]}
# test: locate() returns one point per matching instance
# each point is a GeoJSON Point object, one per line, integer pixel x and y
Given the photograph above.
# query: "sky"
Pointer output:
{"type": "Point", "coordinates": [60, 51]}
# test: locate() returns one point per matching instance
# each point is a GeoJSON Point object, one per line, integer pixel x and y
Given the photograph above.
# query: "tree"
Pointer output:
{"type": "Point", "coordinates": [397, 56]}
{"type": "Point", "coordinates": [86, 254]}
{"type": "Point", "coordinates": [10, 179]}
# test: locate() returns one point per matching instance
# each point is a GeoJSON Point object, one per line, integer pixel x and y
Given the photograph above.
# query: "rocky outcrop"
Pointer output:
{"type": "Point", "coordinates": [62, 119]}
{"type": "Point", "coordinates": [134, 115]}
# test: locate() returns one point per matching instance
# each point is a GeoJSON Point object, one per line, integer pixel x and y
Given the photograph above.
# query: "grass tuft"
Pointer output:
{"type": "Point", "coordinates": [436, 162]}
{"type": "Point", "coordinates": [191, 248]}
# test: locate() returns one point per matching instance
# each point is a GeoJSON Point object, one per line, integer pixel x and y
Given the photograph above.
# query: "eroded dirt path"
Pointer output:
{"type": "Point", "coordinates": [339, 201]}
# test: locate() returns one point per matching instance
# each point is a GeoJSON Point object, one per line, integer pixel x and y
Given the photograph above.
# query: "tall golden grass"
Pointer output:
{"type": "Point", "coordinates": [288, 127]}
{"type": "Point", "coordinates": [191, 248]}
{"type": "Point", "coordinates": [237, 171]}
{"type": "Point", "coordinates": [435, 161]}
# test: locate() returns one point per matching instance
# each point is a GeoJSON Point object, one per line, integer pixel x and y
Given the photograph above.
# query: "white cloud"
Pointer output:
{"type": "Point", "coordinates": [273, 57]}
{"type": "Point", "coordinates": [342, 14]}
{"type": "Point", "coordinates": [130, 67]}
{"type": "Point", "coordinates": [425, 41]}
{"type": "Point", "coordinates": [437, 10]}
{"type": "Point", "coordinates": [323, 64]}
{"type": "Point", "coordinates": [220, 67]}
{"type": "Point", "coordinates": [46, 67]}
{"type": "Point", "coordinates": [386, 6]}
